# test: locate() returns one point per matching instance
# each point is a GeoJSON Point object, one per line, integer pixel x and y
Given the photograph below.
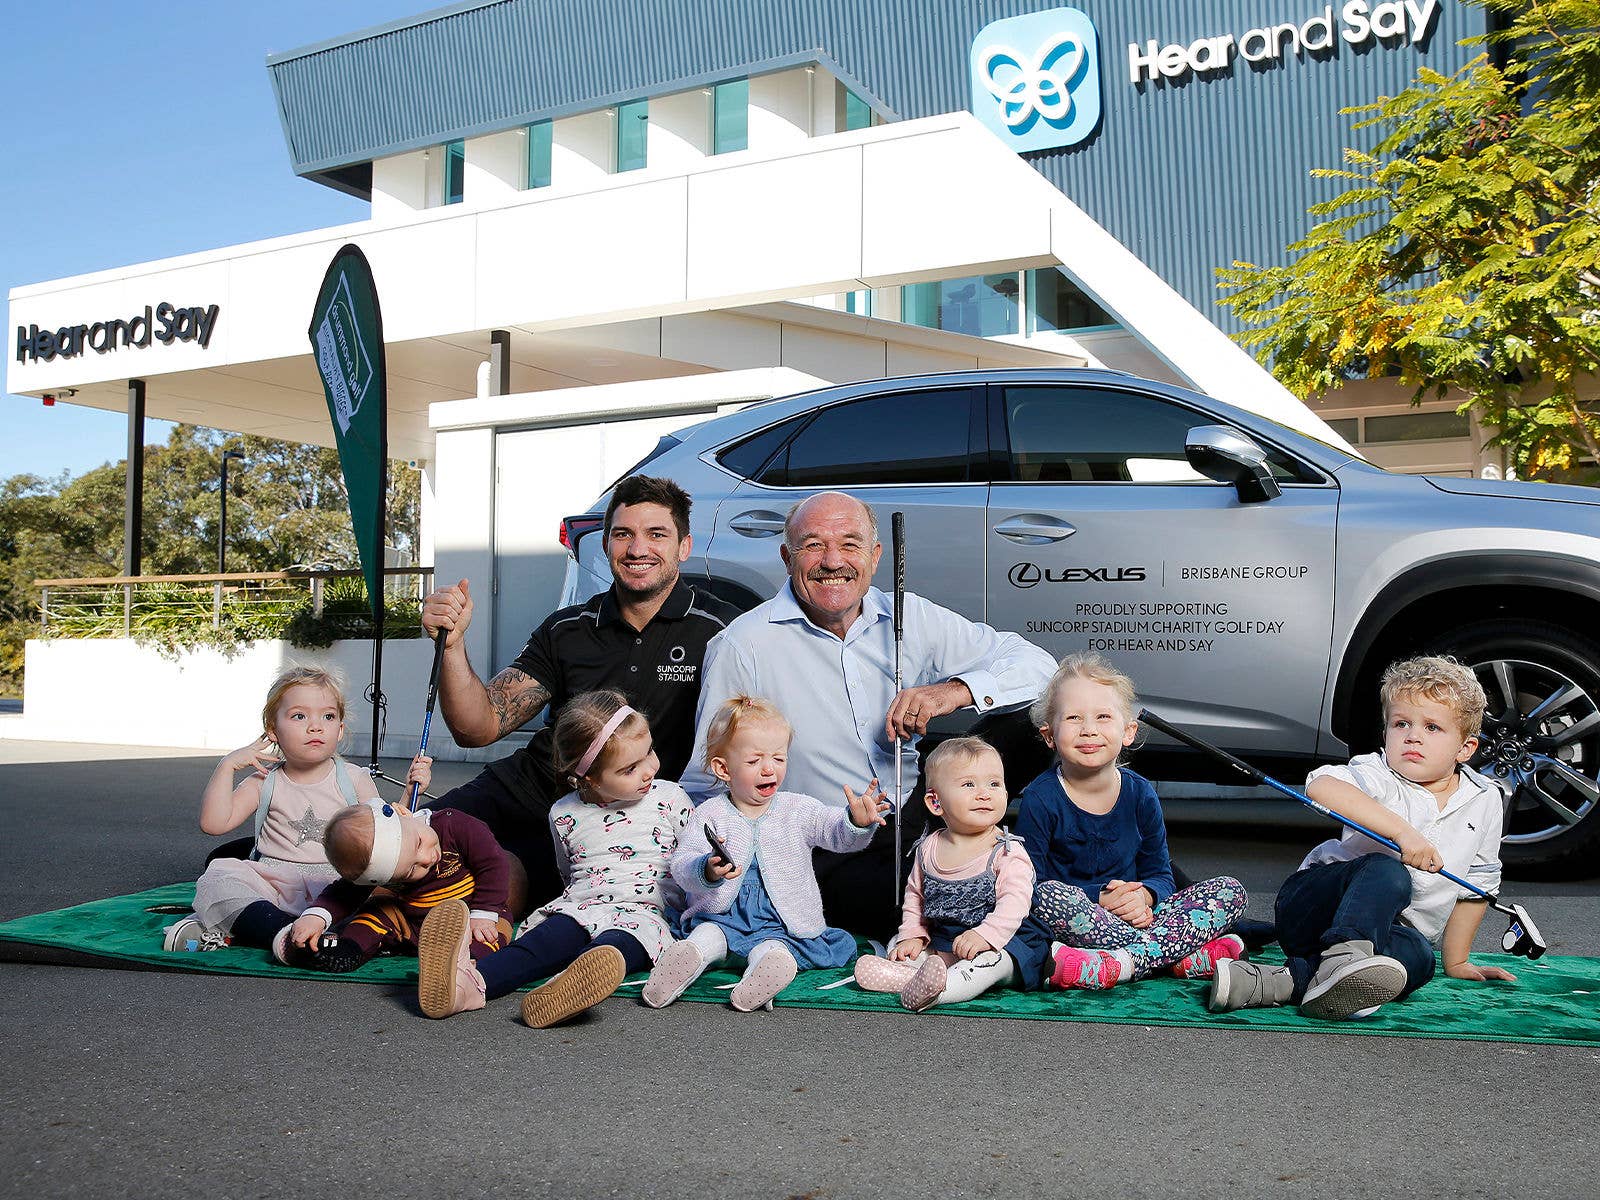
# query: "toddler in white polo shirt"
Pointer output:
{"type": "Point", "coordinates": [1358, 923]}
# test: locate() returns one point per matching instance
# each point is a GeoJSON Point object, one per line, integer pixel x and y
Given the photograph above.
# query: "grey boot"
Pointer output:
{"type": "Point", "coordinates": [1352, 981]}
{"type": "Point", "coordinates": [1241, 984]}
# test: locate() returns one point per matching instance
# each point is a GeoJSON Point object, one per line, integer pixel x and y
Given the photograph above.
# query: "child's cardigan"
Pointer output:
{"type": "Point", "coordinates": [782, 839]}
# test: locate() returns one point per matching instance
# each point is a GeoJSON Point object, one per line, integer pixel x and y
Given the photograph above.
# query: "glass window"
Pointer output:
{"type": "Point", "coordinates": [730, 116]}
{"type": "Point", "coordinates": [540, 140]}
{"type": "Point", "coordinates": [1084, 435]}
{"type": "Point", "coordinates": [850, 111]}
{"type": "Point", "coordinates": [758, 452]}
{"type": "Point", "coordinates": [633, 129]}
{"type": "Point", "coordinates": [982, 305]}
{"type": "Point", "coordinates": [1349, 428]}
{"type": "Point", "coordinates": [859, 303]}
{"type": "Point", "coordinates": [905, 437]}
{"type": "Point", "coordinates": [1418, 427]}
{"type": "Point", "coordinates": [455, 172]}
{"type": "Point", "coordinates": [1056, 303]}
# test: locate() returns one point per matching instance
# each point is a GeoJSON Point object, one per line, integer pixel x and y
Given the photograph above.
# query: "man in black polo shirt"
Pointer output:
{"type": "Point", "coordinates": [645, 636]}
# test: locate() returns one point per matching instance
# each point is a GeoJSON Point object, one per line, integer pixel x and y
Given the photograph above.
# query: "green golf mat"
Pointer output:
{"type": "Point", "coordinates": [1555, 1000]}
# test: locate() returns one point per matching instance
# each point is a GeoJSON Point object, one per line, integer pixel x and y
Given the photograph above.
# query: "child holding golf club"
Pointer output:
{"type": "Point", "coordinates": [764, 905]}
{"type": "Point", "coordinates": [968, 894]}
{"type": "Point", "coordinates": [613, 834]}
{"type": "Point", "coordinates": [1099, 845]}
{"type": "Point", "coordinates": [1357, 922]}
{"type": "Point", "coordinates": [297, 783]}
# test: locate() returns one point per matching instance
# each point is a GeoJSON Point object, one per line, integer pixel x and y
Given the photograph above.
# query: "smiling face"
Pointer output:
{"type": "Point", "coordinates": [1423, 742]}
{"type": "Point", "coordinates": [969, 792]}
{"type": "Point", "coordinates": [831, 554]}
{"type": "Point", "coordinates": [1090, 727]}
{"type": "Point", "coordinates": [419, 849]}
{"type": "Point", "coordinates": [626, 769]}
{"type": "Point", "coordinates": [645, 550]}
{"type": "Point", "coordinates": [754, 763]}
{"type": "Point", "coordinates": [306, 725]}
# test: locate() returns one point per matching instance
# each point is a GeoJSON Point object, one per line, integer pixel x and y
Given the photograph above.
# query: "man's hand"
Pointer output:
{"type": "Point", "coordinates": [305, 931]}
{"type": "Point", "coordinates": [1471, 970]}
{"type": "Point", "coordinates": [1416, 851]}
{"type": "Point", "coordinates": [908, 949]}
{"type": "Point", "coordinates": [969, 945]}
{"type": "Point", "coordinates": [449, 609]}
{"type": "Point", "coordinates": [868, 808]}
{"type": "Point", "coordinates": [1127, 900]}
{"type": "Point", "coordinates": [486, 931]}
{"type": "Point", "coordinates": [913, 708]}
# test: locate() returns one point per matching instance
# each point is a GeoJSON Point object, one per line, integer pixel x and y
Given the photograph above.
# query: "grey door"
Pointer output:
{"type": "Point", "coordinates": [1101, 537]}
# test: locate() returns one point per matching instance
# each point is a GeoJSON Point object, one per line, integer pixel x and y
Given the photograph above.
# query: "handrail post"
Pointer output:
{"type": "Point", "coordinates": [127, 610]}
{"type": "Point", "coordinates": [316, 595]}
{"type": "Point", "coordinates": [216, 606]}
{"type": "Point", "coordinates": [44, 612]}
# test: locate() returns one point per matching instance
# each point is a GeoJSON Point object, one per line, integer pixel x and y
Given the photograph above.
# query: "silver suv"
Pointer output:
{"type": "Point", "coordinates": [1252, 580]}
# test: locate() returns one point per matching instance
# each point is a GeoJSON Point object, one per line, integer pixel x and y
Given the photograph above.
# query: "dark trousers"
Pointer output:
{"type": "Point", "coordinates": [521, 824]}
{"type": "Point", "coordinates": [1359, 900]}
{"type": "Point", "coordinates": [548, 947]}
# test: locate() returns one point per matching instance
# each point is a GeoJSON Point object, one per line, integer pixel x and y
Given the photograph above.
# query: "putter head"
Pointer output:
{"type": "Point", "coordinates": [1522, 935]}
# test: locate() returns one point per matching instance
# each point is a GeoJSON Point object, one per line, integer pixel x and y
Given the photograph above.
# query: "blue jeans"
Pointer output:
{"type": "Point", "coordinates": [1359, 900]}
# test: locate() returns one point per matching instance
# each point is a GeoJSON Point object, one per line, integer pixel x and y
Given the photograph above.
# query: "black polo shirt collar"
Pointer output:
{"type": "Point", "coordinates": [676, 607]}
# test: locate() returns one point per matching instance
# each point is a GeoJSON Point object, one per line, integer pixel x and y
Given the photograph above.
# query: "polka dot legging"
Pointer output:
{"type": "Point", "coordinates": [1184, 922]}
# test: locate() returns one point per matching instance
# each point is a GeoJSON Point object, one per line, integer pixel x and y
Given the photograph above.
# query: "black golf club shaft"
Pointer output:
{"type": "Point", "coordinates": [427, 716]}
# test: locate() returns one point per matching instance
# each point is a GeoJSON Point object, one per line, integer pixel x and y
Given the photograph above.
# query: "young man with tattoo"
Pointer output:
{"type": "Point", "coordinates": [644, 636]}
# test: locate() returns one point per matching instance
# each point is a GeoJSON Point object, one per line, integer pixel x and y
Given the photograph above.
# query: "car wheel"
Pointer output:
{"type": "Point", "coordinates": [1541, 735]}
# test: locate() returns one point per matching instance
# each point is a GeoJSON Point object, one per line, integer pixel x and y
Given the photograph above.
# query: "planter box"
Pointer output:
{"type": "Point", "coordinates": [113, 690]}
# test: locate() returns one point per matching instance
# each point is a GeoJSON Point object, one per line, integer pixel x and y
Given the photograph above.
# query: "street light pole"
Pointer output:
{"type": "Point", "coordinates": [222, 521]}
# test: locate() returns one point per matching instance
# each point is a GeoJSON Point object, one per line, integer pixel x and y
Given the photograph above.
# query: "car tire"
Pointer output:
{"type": "Point", "coordinates": [1542, 734]}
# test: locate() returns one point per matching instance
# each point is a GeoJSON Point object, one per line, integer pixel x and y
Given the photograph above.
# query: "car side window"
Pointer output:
{"type": "Point", "coordinates": [1092, 435]}
{"type": "Point", "coordinates": [762, 456]}
{"type": "Point", "coordinates": [904, 437]}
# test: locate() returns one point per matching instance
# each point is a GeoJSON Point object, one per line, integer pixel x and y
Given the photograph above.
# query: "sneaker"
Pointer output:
{"type": "Point", "coordinates": [766, 979]}
{"type": "Point", "coordinates": [1075, 968]}
{"type": "Point", "coordinates": [1241, 984]}
{"type": "Point", "coordinates": [1202, 964]}
{"type": "Point", "coordinates": [679, 966]}
{"type": "Point", "coordinates": [447, 982]}
{"type": "Point", "coordinates": [875, 974]}
{"type": "Point", "coordinates": [1352, 981]}
{"type": "Point", "coordinates": [593, 975]}
{"type": "Point", "coordinates": [923, 989]}
{"type": "Point", "coordinates": [189, 935]}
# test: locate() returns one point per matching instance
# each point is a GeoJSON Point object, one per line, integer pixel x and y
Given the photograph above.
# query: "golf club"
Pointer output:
{"type": "Point", "coordinates": [1522, 937]}
{"type": "Point", "coordinates": [897, 527]}
{"type": "Point", "coordinates": [427, 716]}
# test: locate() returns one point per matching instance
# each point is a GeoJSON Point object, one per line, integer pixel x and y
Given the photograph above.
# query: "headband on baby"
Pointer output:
{"type": "Point", "coordinates": [386, 838]}
{"type": "Point", "coordinates": [600, 739]}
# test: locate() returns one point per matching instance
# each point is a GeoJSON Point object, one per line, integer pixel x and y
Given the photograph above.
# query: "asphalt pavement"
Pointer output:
{"type": "Point", "coordinates": [133, 1083]}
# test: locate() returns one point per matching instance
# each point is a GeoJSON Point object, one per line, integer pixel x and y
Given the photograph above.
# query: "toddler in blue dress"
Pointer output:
{"type": "Point", "coordinates": [764, 906]}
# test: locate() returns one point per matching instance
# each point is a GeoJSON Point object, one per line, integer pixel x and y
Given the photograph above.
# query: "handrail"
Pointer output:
{"type": "Point", "coordinates": [230, 577]}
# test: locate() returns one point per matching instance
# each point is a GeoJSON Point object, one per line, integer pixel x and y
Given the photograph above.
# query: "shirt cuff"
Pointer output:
{"type": "Point", "coordinates": [983, 687]}
{"type": "Point", "coordinates": [482, 914]}
{"type": "Point", "coordinates": [327, 917]}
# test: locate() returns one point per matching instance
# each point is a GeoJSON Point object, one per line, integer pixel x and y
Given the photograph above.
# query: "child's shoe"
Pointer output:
{"type": "Point", "coordinates": [1075, 968]}
{"type": "Point", "coordinates": [1352, 981]}
{"type": "Point", "coordinates": [593, 975]}
{"type": "Point", "coordinates": [679, 966]}
{"type": "Point", "coordinates": [1202, 964]}
{"type": "Point", "coordinates": [774, 972]}
{"type": "Point", "coordinates": [923, 989]}
{"type": "Point", "coordinates": [875, 974]}
{"type": "Point", "coordinates": [1240, 984]}
{"type": "Point", "coordinates": [189, 935]}
{"type": "Point", "coordinates": [447, 982]}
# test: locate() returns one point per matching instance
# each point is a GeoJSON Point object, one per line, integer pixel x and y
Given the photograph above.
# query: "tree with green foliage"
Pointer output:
{"type": "Point", "coordinates": [1464, 252]}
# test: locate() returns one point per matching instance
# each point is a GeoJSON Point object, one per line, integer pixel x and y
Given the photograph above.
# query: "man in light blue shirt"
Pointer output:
{"type": "Point", "coordinates": [822, 650]}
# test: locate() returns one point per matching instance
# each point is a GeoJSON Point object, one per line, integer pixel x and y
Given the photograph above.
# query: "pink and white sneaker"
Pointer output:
{"type": "Point", "coordinates": [1075, 968]}
{"type": "Point", "coordinates": [1202, 964]}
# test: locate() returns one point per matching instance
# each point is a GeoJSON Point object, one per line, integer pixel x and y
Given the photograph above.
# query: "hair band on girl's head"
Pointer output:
{"type": "Point", "coordinates": [385, 845]}
{"type": "Point", "coordinates": [600, 739]}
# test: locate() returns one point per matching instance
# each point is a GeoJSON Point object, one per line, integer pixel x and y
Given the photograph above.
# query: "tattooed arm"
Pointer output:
{"type": "Point", "coordinates": [477, 715]}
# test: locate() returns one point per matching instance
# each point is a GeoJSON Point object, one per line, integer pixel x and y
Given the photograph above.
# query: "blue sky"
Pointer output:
{"type": "Point", "coordinates": [137, 132]}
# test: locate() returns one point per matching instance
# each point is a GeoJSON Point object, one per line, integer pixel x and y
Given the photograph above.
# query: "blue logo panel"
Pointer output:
{"type": "Point", "coordinates": [1036, 79]}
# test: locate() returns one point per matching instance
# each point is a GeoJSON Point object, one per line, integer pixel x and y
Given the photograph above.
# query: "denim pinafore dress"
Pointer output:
{"type": "Point", "coordinates": [950, 907]}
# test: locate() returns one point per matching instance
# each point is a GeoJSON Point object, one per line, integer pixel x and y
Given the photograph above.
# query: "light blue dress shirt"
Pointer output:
{"type": "Point", "coordinates": [836, 693]}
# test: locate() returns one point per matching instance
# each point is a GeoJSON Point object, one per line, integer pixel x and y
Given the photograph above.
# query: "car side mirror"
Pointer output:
{"type": "Point", "coordinates": [1228, 456]}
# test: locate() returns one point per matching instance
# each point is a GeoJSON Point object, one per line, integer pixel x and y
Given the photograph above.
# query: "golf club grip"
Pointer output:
{"type": "Point", "coordinates": [897, 531]}
{"type": "Point", "coordinates": [427, 713]}
{"type": "Point", "coordinates": [1146, 717]}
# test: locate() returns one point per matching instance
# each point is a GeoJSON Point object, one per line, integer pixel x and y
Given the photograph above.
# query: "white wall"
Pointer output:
{"type": "Point", "coordinates": [679, 132]}
{"type": "Point", "coordinates": [780, 107]}
{"type": "Point", "coordinates": [463, 534]}
{"type": "Point", "coordinates": [399, 186]}
{"type": "Point", "coordinates": [583, 149]}
{"type": "Point", "coordinates": [497, 167]}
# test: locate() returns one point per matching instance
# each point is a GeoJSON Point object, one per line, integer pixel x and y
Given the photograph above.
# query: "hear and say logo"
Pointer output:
{"type": "Point", "coordinates": [1036, 79]}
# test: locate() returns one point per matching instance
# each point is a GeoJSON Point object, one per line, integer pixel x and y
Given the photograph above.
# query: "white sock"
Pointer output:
{"type": "Point", "coordinates": [761, 949]}
{"type": "Point", "coordinates": [1124, 959]}
{"type": "Point", "coordinates": [976, 976]}
{"type": "Point", "coordinates": [709, 942]}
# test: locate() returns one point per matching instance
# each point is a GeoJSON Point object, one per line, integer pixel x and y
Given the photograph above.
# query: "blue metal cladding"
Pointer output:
{"type": "Point", "coordinates": [1191, 174]}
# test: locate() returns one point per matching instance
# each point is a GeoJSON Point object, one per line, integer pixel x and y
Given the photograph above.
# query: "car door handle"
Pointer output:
{"type": "Point", "coordinates": [757, 524]}
{"type": "Point", "coordinates": [1034, 529]}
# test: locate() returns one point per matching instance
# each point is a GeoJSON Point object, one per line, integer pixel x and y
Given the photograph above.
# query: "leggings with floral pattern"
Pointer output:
{"type": "Point", "coordinates": [1183, 923]}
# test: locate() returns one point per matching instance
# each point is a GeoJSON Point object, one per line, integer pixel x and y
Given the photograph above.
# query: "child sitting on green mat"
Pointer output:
{"type": "Point", "coordinates": [1357, 923]}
